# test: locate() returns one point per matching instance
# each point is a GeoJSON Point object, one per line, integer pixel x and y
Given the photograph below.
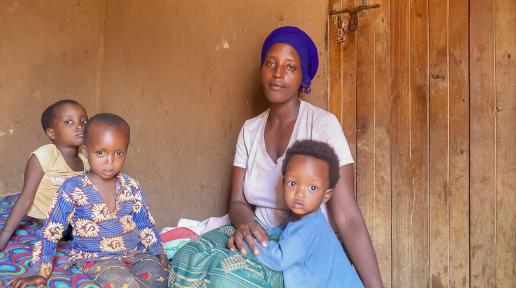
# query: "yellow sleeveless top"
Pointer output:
{"type": "Point", "coordinates": [56, 170]}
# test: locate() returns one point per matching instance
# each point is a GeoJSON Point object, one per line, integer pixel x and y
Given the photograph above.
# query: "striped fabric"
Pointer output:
{"type": "Point", "coordinates": [206, 262]}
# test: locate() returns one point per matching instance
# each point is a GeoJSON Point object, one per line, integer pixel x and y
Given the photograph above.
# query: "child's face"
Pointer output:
{"type": "Point", "coordinates": [67, 125]}
{"type": "Point", "coordinates": [281, 73]}
{"type": "Point", "coordinates": [306, 184]}
{"type": "Point", "coordinates": [106, 149]}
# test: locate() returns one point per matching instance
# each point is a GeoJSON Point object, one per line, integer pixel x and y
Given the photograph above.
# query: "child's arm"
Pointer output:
{"type": "Point", "coordinates": [32, 178]}
{"type": "Point", "coordinates": [37, 281]}
{"type": "Point", "coordinates": [149, 237]}
{"type": "Point", "coordinates": [52, 231]}
{"type": "Point", "coordinates": [282, 255]}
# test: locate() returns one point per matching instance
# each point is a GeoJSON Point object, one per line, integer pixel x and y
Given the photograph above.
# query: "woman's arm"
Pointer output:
{"type": "Point", "coordinates": [242, 217]}
{"type": "Point", "coordinates": [33, 175]}
{"type": "Point", "coordinates": [351, 227]}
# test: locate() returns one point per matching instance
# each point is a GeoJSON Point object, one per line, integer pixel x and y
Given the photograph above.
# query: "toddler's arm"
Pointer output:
{"type": "Point", "coordinates": [32, 178]}
{"type": "Point", "coordinates": [282, 255]}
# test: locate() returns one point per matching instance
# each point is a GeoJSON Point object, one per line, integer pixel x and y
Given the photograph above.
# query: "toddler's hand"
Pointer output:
{"type": "Point", "coordinates": [164, 261]}
{"type": "Point", "coordinates": [250, 233]}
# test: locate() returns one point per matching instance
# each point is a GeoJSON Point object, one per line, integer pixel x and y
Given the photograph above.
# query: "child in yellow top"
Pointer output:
{"type": "Point", "coordinates": [49, 165]}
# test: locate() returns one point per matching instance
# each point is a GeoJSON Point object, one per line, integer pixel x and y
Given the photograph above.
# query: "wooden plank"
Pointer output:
{"type": "Point", "coordinates": [418, 142]}
{"type": "Point", "coordinates": [399, 144]}
{"type": "Point", "coordinates": [349, 68]}
{"type": "Point", "coordinates": [505, 85]}
{"type": "Point", "coordinates": [482, 145]}
{"type": "Point", "coordinates": [458, 203]}
{"type": "Point", "coordinates": [438, 148]}
{"type": "Point", "coordinates": [365, 121]}
{"type": "Point", "coordinates": [382, 139]}
{"type": "Point", "coordinates": [409, 88]}
{"type": "Point", "coordinates": [343, 76]}
{"type": "Point", "coordinates": [335, 56]}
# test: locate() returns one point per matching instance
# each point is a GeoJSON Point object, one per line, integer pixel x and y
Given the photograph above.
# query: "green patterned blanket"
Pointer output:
{"type": "Point", "coordinates": [206, 262]}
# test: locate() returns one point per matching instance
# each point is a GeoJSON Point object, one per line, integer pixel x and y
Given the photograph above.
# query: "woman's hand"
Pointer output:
{"type": "Point", "coordinates": [164, 261]}
{"type": "Point", "coordinates": [242, 218]}
{"type": "Point", "coordinates": [38, 281]}
{"type": "Point", "coordinates": [250, 233]}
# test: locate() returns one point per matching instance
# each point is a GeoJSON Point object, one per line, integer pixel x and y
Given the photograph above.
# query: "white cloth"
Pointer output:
{"type": "Point", "coordinates": [200, 227]}
{"type": "Point", "coordinates": [263, 185]}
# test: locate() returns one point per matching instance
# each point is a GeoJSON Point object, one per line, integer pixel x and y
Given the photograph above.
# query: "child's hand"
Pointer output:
{"type": "Point", "coordinates": [164, 261]}
{"type": "Point", "coordinates": [38, 281]}
{"type": "Point", "coordinates": [4, 238]}
{"type": "Point", "coordinates": [248, 233]}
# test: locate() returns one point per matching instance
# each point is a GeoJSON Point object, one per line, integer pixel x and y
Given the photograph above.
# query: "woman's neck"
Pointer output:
{"type": "Point", "coordinates": [284, 113]}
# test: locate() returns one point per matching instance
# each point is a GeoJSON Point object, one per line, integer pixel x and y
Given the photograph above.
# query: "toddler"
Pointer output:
{"type": "Point", "coordinates": [308, 251]}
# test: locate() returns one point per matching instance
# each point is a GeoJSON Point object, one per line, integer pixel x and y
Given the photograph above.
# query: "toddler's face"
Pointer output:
{"type": "Point", "coordinates": [67, 125]}
{"type": "Point", "coordinates": [106, 149]}
{"type": "Point", "coordinates": [306, 184]}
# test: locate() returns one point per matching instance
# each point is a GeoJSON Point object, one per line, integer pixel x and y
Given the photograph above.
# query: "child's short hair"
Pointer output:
{"type": "Point", "coordinates": [316, 149]}
{"type": "Point", "coordinates": [50, 113]}
{"type": "Point", "coordinates": [108, 119]}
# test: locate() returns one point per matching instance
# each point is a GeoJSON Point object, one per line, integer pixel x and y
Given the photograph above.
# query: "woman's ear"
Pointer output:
{"type": "Point", "coordinates": [327, 195]}
{"type": "Point", "coordinates": [51, 134]}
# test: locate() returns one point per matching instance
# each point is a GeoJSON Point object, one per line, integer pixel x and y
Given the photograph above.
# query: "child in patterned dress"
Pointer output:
{"type": "Point", "coordinates": [115, 241]}
{"type": "Point", "coordinates": [49, 165]}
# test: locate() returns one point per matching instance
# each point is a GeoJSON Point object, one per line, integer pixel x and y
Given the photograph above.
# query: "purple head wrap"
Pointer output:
{"type": "Point", "coordinates": [304, 46]}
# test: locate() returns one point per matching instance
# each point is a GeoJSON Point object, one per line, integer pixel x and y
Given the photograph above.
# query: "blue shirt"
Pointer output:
{"type": "Point", "coordinates": [98, 232]}
{"type": "Point", "coordinates": [310, 255]}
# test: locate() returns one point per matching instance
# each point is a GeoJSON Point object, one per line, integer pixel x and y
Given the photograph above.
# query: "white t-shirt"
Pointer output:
{"type": "Point", "coordinates": [263, 185]}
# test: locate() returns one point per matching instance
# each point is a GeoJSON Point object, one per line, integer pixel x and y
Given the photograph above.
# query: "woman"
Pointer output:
{"type": "Point", "coordinates": [289, 63]}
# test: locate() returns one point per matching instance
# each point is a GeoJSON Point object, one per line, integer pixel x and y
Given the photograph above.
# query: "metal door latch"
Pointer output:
{"type": "Point", "coordinates": [353, 13]}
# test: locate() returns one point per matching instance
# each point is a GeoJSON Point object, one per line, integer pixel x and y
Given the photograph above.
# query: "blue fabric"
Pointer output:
{"type": "Point", "coordinates": [304, 46]}
{"type": "Point", "coordinates": [310, 255]}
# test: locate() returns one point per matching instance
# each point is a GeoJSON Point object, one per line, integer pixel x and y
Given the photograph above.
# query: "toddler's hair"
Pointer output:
{"type": "Point", "coordinates": [108, 119]}
{"type": "Point", "coordinates": [316, 149]}
{"type": "Point", "coordinates": [50, 113]}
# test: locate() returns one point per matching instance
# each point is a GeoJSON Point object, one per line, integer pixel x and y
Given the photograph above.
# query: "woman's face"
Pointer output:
{"type": "Point", "coordinates": [281, 74]}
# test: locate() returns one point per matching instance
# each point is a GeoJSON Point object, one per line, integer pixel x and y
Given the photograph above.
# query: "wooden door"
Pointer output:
{"type": "Point", "coordinates": [426, 94]}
